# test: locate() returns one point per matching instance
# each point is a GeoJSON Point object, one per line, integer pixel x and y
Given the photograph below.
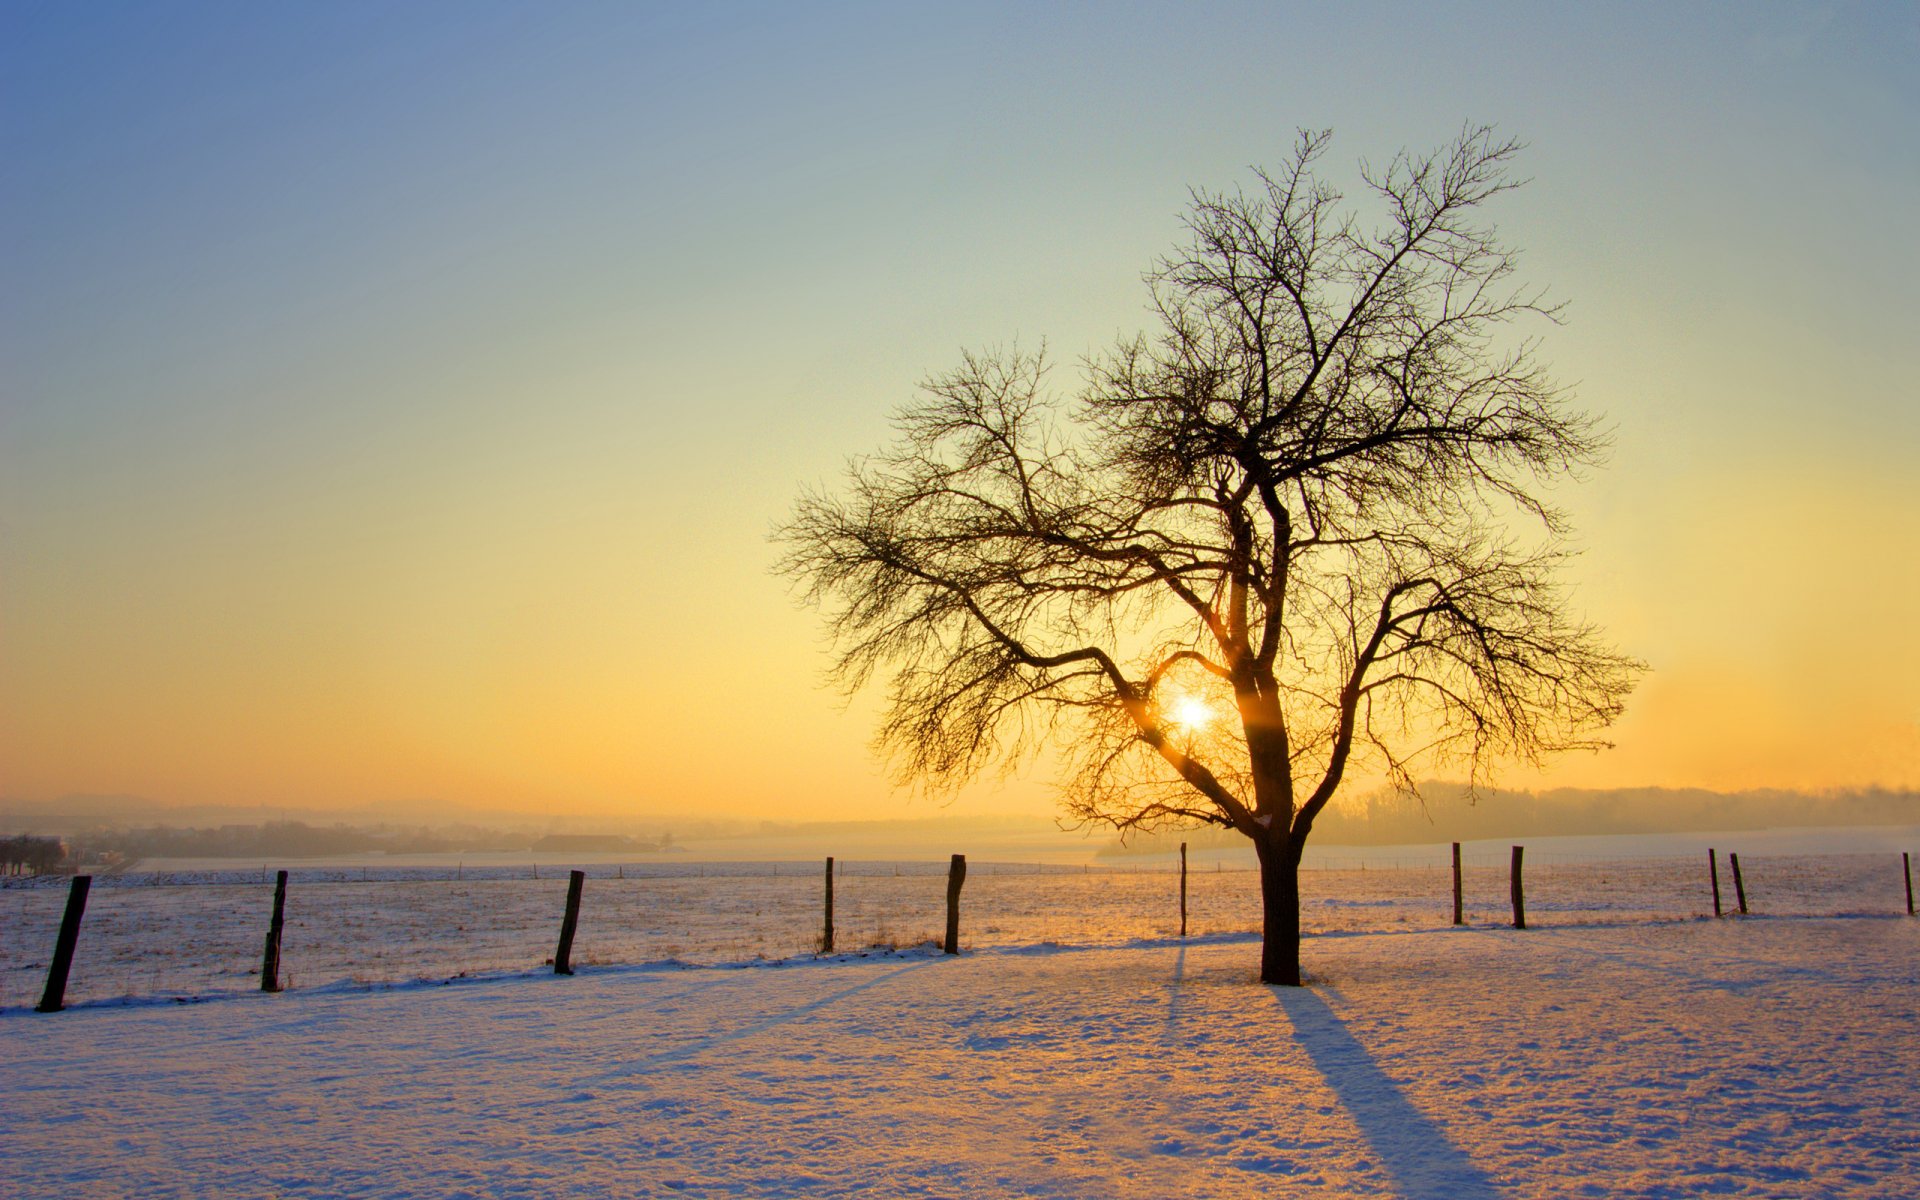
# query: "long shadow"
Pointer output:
{"type": "Point", "coordinates": [1766, 973]}
{"type": "Point", "coordinates": [653, 1004]}
{"type": "Point", "coordinates": [1416, 1153]}
{"type": "Point", "coordinates": [1173, 995]}
{"type": "Point", "coordinates": [700, 1045]}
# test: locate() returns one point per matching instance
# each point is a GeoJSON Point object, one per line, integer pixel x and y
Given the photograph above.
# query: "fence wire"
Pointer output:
{"type": "Point", "coordinates": [190, 935]}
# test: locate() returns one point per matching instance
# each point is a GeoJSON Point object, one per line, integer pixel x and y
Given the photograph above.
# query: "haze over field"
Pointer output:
{"type": "Point", "coordinates": [394, 404]}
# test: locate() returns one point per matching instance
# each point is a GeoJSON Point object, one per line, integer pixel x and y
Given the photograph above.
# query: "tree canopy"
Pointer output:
{"type": "Point", "coordinates": [1301, 524]}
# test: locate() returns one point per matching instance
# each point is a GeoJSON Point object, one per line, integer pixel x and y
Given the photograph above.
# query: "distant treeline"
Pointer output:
{"type": "Point", "coordinates": [1450, 812]}
{"type": "Point", "coordinates": [297, 839]}
{"type": "Point", "coordinates": [25, 854]}
{"type": "Point", "coordinates": [1447, 812]}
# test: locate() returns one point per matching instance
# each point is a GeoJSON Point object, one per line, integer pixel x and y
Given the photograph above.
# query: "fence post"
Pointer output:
{"type": "Point", "coordinates": [1183, 889]}
{"type": "Point", "coordinates": [1739, 884]}
{"type": "Point", "coordinates": [1906, 868]}
{"type": "Point", "coordinates": [1459, 911]}
{"type": "Point", "coordinates": [1519, 891]}
{"type": "Point", "coordinates": [956, 875]}
{"type": "Point", "coordinates": [53, 999]}
{"type": "Point", "coordinates": [270, 961]}
{"type": "Point", "coordinates": [563, 957]}
{"type": "Point", "coordinates": [1713, 874]}
{"type": "Point", "coordinates": [826, 937]}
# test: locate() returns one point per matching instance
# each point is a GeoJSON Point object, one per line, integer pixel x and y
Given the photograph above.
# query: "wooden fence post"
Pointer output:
{"type": "Point", "coordinates": [563, 957]}
{"type": "Point", "coordinates": [1739, 884]}
{"type": "Point", "coordinates": [270, 961]}
{"type": "Point", "coordinates": [1906, 868]}
{"type": "Point", "coordinates": [1459, 910]}
{"type": "Point", "coordinates": [1713, 874]}
{"type": "Point", "coordinates": [54, 998]}
{"type": "Point", "coordinates": [956, 875]}
{"type": "Point", "coordinates": [1519, 891]}
{"type": "Point", "coordinates": [826, 936]}
{"type": "Point", "coordinates": [1183, 889]}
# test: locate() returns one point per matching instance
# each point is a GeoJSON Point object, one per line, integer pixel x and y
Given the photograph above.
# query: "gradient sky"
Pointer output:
{"type": "Point", "coordinates": [395, 399]}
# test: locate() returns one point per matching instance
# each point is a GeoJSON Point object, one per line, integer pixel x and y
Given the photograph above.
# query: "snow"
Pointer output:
{"type": "Point", "coordinates": [1610, 1051]}
{"type": "Point", "coordinates": [198, 933]}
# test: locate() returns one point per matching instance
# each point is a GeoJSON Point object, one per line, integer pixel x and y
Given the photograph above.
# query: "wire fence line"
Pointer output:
{"type": "Point", "coordinates": [136, 875]}
{"type": "Point", "coordinates": [196, 934]}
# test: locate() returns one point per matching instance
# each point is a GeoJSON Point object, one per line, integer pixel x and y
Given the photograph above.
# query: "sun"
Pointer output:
{"type": "Point", "coordinates": [1190, 713]}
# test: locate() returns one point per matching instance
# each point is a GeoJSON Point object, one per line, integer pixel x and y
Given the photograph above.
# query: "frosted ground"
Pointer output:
{"type": "Point", "coordinates": [194, 930]}
{"type": "Point", "coordinates": [1625, 1046]}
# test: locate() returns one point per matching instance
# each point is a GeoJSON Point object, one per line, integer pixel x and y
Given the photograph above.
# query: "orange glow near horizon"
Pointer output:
{"type": "Point", "coordinates": [400, 416]}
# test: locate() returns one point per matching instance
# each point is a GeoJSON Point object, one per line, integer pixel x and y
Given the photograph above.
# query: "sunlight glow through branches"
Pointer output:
{"type": "Point", "coordinates": [1189, 713]}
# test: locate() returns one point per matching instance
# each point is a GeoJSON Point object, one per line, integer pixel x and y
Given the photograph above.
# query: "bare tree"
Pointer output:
{"type": "Point", "coordinates": [1268, 545]}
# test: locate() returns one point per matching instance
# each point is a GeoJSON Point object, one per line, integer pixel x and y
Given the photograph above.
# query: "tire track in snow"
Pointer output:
{"type": "Point", "coordinates": [753, 1029]}
{"type": "Point", "coordinates": [1092, 1089]}
{"type": "Point", "coordinates": [1716, 971]}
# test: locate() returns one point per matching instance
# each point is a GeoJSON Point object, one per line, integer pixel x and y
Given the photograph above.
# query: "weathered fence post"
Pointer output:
{"type": "Point", "coordinates": [1519, 891]}
{"type": "Point", "coordinates": [53, 999]}
{"type": "Point", "coordinates": [826, 936]}
{"type": "Point", "coordinates": [563, 957]}
{"type": "Point", "coordinates": [1739, 884]}
{"type": "Point", "coordinates": [956, 875]}
{"type": "Point", "coordinates": [1713, 874]}
{"type": "Point", "coordinates": [1183, 889]}
{"type": "Point", "coordinates": [1906, 868]}
{"type": "Point", "coordinates": [1459, 910]}
{"type": "Point", "coordinates": [270, 961]}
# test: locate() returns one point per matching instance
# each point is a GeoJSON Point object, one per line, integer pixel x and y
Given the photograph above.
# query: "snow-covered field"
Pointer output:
{"type": "Point", "coordinates": [1624, 1046]}
{"type": "Point", "coordinates": [198, 933]}
{"type": "Point", "coordinates": [1761, 1057]}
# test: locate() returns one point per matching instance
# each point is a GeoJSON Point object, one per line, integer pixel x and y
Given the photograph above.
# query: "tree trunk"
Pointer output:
{"type": "Point", "coordinates": [1280, 911]}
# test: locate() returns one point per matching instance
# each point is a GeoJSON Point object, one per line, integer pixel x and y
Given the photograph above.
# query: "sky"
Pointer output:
{"type": "Point", "coordinates": [395, 401]}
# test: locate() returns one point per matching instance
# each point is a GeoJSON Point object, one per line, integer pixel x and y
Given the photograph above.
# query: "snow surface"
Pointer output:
{"type": "Point", "coordinates": [197, 934]}
{"type": "Point", "coordinates": [1768, 1056]}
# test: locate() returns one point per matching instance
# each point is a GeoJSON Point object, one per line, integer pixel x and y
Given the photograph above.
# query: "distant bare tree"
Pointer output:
{"type": "Point", "coordinates": [1269, 543]}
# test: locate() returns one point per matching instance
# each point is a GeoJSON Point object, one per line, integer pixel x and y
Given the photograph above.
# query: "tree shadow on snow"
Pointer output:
{"type": "Point", "coordinates": [1424, 1164]}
